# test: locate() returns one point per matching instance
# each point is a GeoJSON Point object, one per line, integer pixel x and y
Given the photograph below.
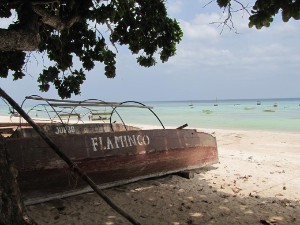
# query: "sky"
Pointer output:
{"type": "Point", "coordinates": [209, 63]}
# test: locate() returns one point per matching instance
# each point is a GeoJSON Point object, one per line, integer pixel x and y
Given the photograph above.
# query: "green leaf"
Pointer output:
{"type": "Point", "coordinates": [223, 3]}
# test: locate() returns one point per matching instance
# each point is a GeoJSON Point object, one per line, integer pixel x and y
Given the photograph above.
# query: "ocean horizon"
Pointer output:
{"type": "Point", "coordinates": [272, 114]}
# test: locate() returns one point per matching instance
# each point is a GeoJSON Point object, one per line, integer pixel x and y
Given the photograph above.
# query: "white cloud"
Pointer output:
{"type": "Point", "coordinates": [191, 57]}
{"type": "Point", "coordinates": [174, 6]}
{"type": "Point", "coordinates": [210, 26]}
{"type": "Point", "coordinates": [283, 27]}
{"type": "Point", "coordinates": [280, 28]}
{"type": "Point", "coordinates": [200, 28]}
{"type": "Point", "coordinates": [271, 49]}
{"type": "Point", "coordinates": [206, 18]}
{"type": "Point", "coordinates": [247, 52]}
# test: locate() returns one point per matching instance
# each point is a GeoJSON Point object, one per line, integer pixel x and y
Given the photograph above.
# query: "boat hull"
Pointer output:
{"type": "Point", "coordinates": [109, 158]}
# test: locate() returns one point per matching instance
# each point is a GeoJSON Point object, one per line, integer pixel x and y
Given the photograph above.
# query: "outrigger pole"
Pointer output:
{"type": "Point", "coordinates": [73, 166]}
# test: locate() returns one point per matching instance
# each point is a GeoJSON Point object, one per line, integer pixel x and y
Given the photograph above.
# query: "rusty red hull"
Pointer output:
{"type": "Point", "coordinates": [109, 158]}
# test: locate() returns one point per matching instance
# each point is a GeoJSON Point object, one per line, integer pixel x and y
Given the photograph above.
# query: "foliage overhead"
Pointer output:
{"type": "Point", "coordinates": [70, 30]}
{"type": "Point", "coordinates": [263, 11]}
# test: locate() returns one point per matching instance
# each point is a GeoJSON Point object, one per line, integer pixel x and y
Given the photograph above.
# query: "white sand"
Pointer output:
{"type": "Point", "coordinates": [257, 181]}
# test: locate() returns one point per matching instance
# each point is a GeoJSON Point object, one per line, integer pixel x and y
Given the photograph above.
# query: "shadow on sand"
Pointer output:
{"type": "Point", "coordinates": [170, 200]}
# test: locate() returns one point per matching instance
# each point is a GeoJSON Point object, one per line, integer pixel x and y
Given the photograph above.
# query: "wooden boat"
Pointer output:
{"type": "Point", "coordinates": [110, 153]}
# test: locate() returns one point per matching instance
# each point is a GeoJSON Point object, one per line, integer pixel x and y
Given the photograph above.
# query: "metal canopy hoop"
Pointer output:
{"type": "Point", "coordinates": [142, 105]}
{"type": "Point", "coordinates": [85, 104]}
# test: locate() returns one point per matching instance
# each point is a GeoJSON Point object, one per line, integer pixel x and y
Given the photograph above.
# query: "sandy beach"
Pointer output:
{"type": "Point", "coordinates": [256, 181]}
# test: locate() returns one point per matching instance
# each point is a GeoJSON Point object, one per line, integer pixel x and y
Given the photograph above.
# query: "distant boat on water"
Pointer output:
{"type": "Point", "coordinates": [258, 103]}
{"type": "Point", "coordinates": [216, 104]}
{"type": "Point", "coordinates": [275, 104]}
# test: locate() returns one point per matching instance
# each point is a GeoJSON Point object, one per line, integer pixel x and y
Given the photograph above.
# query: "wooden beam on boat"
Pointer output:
{"type": "Point", "coordinates": [183, 126]}
{"type": "Point", "coordinates": [13, 124]}
{"type": "Point", "coordinates": [188, 174]}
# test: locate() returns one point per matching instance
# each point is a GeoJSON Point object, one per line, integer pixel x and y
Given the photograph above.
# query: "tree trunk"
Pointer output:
{"type": "Point", "coordinates": [12, 209]}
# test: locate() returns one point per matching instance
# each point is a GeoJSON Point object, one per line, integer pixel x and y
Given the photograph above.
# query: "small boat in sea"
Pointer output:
{"type": "Point", "coordinates": [216, 103]}
{"type": "Point", "coordinates": [258, 103]}
{"type": "Point", "coordinates": [109, 153]}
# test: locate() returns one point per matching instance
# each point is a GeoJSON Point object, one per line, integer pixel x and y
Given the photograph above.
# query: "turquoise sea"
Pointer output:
{"type": "Point", "coordinates": [246, 114]}
{"type": "Point", "coordinates": [270, 115]}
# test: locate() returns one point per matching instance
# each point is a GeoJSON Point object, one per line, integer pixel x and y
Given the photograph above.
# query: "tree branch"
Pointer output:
{"type": "Point", "coordinates": [21, 40]}
{"type": "Point", "coordinates": [33, 2]}
{"type": "Point", "coordinates": [228, 22]}
{"type": "Point", "coordinates": [55, 21]}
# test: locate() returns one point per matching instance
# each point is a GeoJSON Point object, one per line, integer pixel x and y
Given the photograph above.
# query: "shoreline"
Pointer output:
{"type": "Point", "coordinates": [212, 130]}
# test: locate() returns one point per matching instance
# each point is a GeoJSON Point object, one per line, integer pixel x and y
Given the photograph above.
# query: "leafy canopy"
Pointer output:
{"type": "Point", "coordinates": [68, 31]}
{"type": "Point", "coordinates": [263, 11]}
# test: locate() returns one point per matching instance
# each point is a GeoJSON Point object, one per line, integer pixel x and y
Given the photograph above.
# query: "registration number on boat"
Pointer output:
{"type": "Point", "coordinates": [65, 130]}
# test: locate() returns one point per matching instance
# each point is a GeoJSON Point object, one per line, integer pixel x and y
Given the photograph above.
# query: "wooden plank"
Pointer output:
{"type": "Point", "coordinates": [64, 129]}
{"type": "Point", "coordinates": [114, 171]}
